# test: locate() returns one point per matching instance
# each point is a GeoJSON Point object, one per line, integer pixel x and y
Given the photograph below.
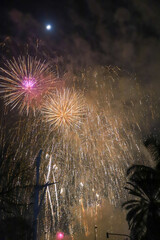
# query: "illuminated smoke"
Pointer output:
{"type": "Point", "coordinates": [90, 163]}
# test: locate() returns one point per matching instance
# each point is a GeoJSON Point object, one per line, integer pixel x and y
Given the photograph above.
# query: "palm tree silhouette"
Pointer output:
{"type": "Point", "coordinates": [144, 186]}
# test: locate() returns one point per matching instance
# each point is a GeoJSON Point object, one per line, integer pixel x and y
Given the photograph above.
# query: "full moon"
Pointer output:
{"type": "Point", "coordinates": [48, 27]}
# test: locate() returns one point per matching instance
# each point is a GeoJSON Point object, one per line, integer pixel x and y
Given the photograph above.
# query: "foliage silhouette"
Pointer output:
{"type": "Point", "coordinates": [143, 214]}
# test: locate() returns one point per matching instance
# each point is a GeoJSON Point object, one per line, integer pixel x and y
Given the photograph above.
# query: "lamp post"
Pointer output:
{"type": "Point", "coordinates": [95, 231]}
{"type": "Point", "coordinates": [117, 234]}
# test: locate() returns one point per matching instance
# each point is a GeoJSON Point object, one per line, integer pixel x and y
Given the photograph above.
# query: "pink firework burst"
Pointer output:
{"type": "Point", "coordinates": [28, 83]}
{"type": "Point", "coordinates": [24, 82]}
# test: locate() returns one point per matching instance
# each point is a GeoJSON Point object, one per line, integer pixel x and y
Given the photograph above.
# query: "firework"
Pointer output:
{"type": "Point", "coordinates": [64, 109]}
{"type": "Point", "coordinates": [24, 82]}
{"type": "Point", "coordinates": [89, 165]}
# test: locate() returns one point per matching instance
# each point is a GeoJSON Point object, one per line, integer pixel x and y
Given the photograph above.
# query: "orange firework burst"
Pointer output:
{"type": "Point", "coordinates": [24, 82]}
{"type": "Point", "coordinates": [64, 109]}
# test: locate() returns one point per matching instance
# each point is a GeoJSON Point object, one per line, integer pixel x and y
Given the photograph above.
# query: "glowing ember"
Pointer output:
{"type": "Point", "coordinates": [59, 235]}
{"type": "Point", "coordinates": [28, 83]}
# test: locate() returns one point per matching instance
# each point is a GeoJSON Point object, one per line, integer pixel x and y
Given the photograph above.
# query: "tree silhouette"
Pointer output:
{"type": "Point", "coordinates": [144, 186]}
{"type": "Point", "coordinates": [13, 182]}
{"type": "Point", "coordinates": [15, 228]}
{"type": "Point", "coordinates": [15, 191]}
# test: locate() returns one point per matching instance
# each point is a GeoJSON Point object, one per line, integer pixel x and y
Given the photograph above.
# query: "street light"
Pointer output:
{"type": "Point", "coordinates": [117, 234]}
{"type": "Point", "coordinates": [95, 231]}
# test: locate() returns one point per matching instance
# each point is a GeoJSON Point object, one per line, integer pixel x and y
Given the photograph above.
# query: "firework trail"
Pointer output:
{"type": "Point", "coordinates": [90, 164]}
{"type": "Point", "coordinates": [64, 109]}
{"type": "Point", "coordinates": [24, 82]}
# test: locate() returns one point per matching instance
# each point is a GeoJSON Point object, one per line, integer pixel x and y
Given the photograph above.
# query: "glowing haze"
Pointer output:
{"type": "Point", "coordinates": [90, 163]}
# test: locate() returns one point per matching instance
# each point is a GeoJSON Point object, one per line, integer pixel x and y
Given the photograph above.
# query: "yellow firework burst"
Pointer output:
{"type": "Point", "coordinates": [64, 109]}
{"type": "Point", "coordinates": [24, 82]}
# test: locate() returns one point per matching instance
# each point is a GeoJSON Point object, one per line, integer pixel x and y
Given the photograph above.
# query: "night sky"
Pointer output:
{"type": "Point", "coordinates": [122, 33]}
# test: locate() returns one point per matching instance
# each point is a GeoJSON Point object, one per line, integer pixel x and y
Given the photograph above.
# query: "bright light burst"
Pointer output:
{"type": "Point", "coordinates": [24, 82]}
{"type": "Point", "coordinates": [64, 109]}
{"type": "Point", "coordinates": [59, 235]}
{"type": "Point", "coordinates": [28, 83]}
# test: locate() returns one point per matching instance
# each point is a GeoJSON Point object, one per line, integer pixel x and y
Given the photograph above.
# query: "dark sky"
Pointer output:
{"type": "Point", "coordinates": [124, 33]}
{"type": "Point", "coordinates": [87, 32]}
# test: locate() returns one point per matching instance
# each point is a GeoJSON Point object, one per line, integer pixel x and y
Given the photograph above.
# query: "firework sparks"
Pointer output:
{"type": "Point", "coordinates": [24, 82]}
{"type": "Point", "coordinates": [64, 109]}
{"type": "Point", "coordinates": [28, 83]}
{"type": "Point", "coordinates": [90, 164]}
